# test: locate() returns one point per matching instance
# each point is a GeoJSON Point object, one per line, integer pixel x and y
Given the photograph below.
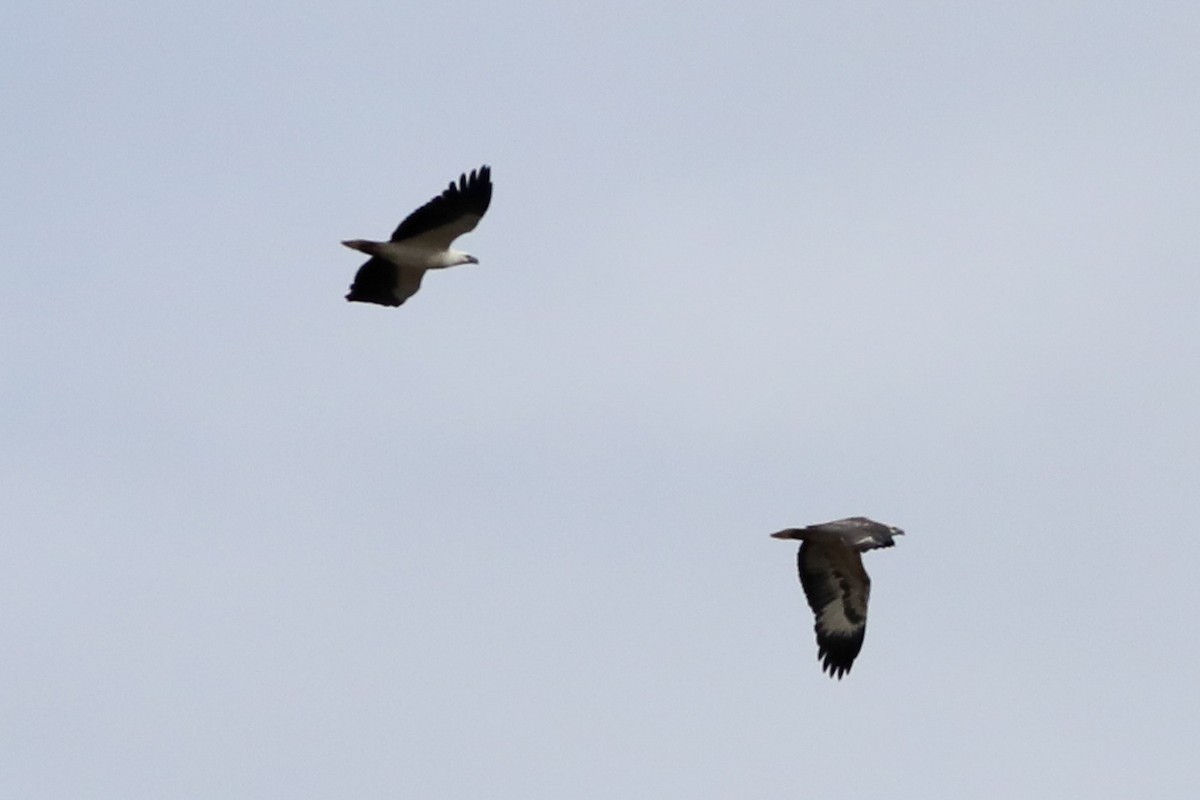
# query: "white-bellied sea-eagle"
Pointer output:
{"type": "Point", "coordinates": [422, 242]}
{"type": "Point", "coordinates": [836, 585]}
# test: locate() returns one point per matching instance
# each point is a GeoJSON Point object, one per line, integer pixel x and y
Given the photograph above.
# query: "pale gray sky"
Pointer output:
{"type": "Point", "coordinates": [748, 266]}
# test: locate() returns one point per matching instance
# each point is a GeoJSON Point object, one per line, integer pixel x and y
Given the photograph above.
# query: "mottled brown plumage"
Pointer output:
{"type": "Point", "coordinates": [836, 584]}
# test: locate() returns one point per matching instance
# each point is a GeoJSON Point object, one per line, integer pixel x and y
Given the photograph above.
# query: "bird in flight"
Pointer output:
{"type": "Point", "coordinates": [836, 585]}
{"type": "Point", "coordinates": [422, 242]}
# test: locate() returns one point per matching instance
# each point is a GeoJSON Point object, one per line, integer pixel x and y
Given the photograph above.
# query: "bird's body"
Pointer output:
{"type": "Point", "coordinates": [408, 253]}
{"type": "Point", "coordinates": [421, 242]}
{"type": "Point", "coordinates": [836, 584]}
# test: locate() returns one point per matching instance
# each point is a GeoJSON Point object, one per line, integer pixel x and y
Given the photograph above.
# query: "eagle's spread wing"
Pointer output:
{"type": "Point", "coordinates": [451, 214]}
{"type": "Point", "coordinates": [380, 281]}
{"type": "Point", "coordinates": [837, 588]}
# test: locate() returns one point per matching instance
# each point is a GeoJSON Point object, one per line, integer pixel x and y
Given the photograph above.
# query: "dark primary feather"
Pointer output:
{"type": "Point", "coordinates": [471, 196]}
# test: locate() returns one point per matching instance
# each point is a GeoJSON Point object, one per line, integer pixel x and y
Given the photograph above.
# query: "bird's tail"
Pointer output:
{"type": "Point", "coordinates": [362, 245]}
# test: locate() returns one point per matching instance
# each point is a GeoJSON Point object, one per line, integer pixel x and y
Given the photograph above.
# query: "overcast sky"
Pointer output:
{"type": "Point", "coordinates": [748, 266]}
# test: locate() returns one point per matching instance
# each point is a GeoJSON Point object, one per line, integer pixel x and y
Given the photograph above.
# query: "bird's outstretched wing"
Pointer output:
{"type": "Point", "coordinates": [380, 281]}
{"type": "Point", "coordinates": [451, 214]}
{"type": "Point", "coordinates": [837, 588]}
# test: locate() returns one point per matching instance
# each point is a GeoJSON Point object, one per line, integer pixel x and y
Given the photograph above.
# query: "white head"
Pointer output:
{"type": "Point", "coordinates": [454, 258]}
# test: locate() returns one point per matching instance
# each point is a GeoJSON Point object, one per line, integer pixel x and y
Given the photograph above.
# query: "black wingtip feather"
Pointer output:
{"type": "Point", "coordinates": [471, 194]}
{"type": "Point", "coordinates": [837, 653]}
{"type": "Point", "coordinates": [381, 300]}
